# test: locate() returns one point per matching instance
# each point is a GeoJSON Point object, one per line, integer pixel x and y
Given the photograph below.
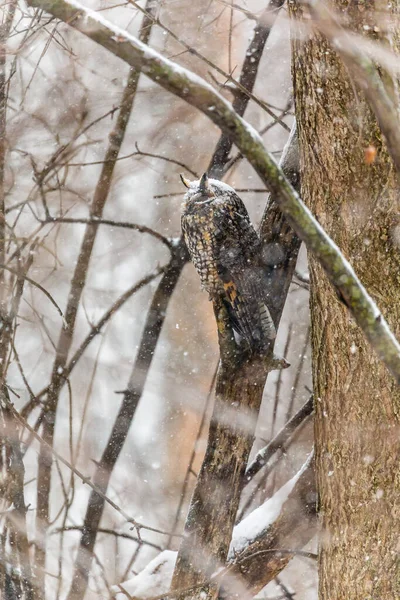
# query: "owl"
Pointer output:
{"type": "Point", "coordinates": [225, 249]}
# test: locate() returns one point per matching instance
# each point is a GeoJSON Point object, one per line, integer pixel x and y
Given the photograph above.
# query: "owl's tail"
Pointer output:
{"type": "Point", "coordinates": [249, 315]}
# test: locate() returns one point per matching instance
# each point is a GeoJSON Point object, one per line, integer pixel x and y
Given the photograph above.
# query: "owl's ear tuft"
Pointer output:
{"type": "Point", "coordinates": [185, 182]}
{"type": "Point", "coordinates": [204, 185]}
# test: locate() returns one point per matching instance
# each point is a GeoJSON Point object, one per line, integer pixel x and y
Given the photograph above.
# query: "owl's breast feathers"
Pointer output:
{"type": "Point", "coordinates": [224, 248]}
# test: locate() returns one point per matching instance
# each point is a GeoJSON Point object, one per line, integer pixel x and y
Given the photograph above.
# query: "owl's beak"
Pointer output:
{"type": "Point", "coordinates": [185, 181]}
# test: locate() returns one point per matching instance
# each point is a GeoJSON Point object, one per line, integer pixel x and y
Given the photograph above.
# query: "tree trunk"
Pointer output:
{"type": "Point", "coordinates": [357, 402]}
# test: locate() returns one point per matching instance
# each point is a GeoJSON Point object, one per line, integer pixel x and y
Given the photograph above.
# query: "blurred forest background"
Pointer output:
{"type": "Point", "coordinates": [60, 99]}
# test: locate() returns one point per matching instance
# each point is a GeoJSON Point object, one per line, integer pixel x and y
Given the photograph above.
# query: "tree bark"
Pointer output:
{"type": "Point", "coordinates": [357, 401]}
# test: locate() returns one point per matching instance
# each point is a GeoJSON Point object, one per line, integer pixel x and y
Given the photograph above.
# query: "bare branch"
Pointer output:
{"type": "Point", "coordinates": [264, 455]}
{"type": "Point", "coordinates": [246, 12]}
{"type": "Point", "coordinates": [247, 80]}
{"type": "Point", "coordinates": [120, 534]}
{"type": "Point", "coordinates": [278, 384]}
{"type": "Point", "coordinates": [122, 224]}
{"type": "Point", "coordinates": [135, 154]}
{"type": "Point", "coordinates": [50, 452]}
{"type": "Point", "coordinates": [237, 84]}
{"type": "Point", "coordinates": [119, 432]}
{"type": "Point", "coordinates": [78, 282]}
{"type": "Point", "coordinates": [15, 480]}
{"type": "Point", "coordinates": [299, 371]}
{"type": "Point", "coordinates": [96, 329]}
{"type": "Point", "coordinates": [198, 93]}
{"type": "Point", "coordinates": [5, 29]}
{"type": "Point", "coordinates": [189, 469]}
{"type": "Point", "coordinates": [36, 285]}
{"type": "Point", "coordinates": [297, 524]}
{"type": "Point", "coordinates": [166, 159]}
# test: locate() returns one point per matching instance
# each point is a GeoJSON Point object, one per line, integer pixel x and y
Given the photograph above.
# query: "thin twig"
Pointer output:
{"type": "Point", "coordinates": [246, 12]}
{"type": "Point", "coordinates": [189, 469]}
{"type": "Point", "coordinates": [198, 93]}
{"type": "Point", "coordinates": [266, 453]}
{"type": "Point", "coordinates": [238, 84]}
{"type": "Point", "coordinates": [120, 534]}
{"type": "Point", "coordinates": [298, 374]}
{"type": "Point", "coordinates": [5, 30]}
{"type": "Point", "coordinates": [94, 331]}
{"type": "Point", "coordinates": [130, 400]}
{"type": "Point", "coordinates": [37, 285]}
{"type": "Point", "coordinates": [166, 159]}
{"type": "Point", "coordinates": [247, 80]}
{"type": "Point", "coordinates": [101, 193]}
{"type": "Point", "coordinates": [279, 380]}
{"type": "Point", "coordinates": [111, 223]}
{"type": "Point", "coordinates": [86, 480]}
{"type": "Point", "coordinates": [133, 155]}
{"type": "Point", "coordinates": [104, 470]}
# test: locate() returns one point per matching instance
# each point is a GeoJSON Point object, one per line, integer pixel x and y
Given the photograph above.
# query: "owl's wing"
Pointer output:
{"type": "Point", "coordinates": [241, 278]}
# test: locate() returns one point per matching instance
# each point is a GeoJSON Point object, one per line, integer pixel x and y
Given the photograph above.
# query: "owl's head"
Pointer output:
{"type": "Point", "coordinates": [204, 190]}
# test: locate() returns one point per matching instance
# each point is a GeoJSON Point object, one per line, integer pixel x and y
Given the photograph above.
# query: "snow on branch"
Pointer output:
{"type": "Point", "coordinates": [197, 92]}
{"type": "Point", "coordinates": [263, 455]}
{"type": "Point", "coordinates": [259, 520]}
{"type": "Point", "coordinates": [155, 579]}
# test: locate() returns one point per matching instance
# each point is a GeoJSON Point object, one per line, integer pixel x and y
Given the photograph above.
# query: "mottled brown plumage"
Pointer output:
{"type": "Point", "coordinates": [224, 248]}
